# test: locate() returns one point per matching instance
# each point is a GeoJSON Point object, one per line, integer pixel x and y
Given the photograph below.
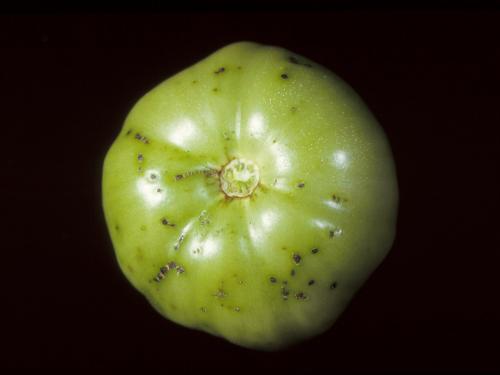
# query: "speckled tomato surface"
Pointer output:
{"type": "Point", "coordinates": [250, 196]}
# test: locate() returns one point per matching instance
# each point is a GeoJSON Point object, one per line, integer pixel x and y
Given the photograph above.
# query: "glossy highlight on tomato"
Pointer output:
{"type": "Point", "coordinates": [250, 196]}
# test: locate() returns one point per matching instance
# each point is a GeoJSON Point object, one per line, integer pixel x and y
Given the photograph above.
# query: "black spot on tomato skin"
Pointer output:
{"type": "Point", "coordinates": [284, 76]}
{"type": "Point", "coordinates": [165, 221]}
{"type": "Point", "coordinates": [141, 138]}
{"type": "Point", "coordinates": [301, 296]}
{"type": "Point", "coordinates": [315, 250]}
{"type": "Point", "coordinates": [300, 185]}
{"type": "Point", "coordinates": [128, 132]}
{"type": "Point", "coordinates": [159, 277]}
{"type": "Point", "coordinates": [179, 242]}
{"type": "Point", "coordinates": [333, 285]}
{"type": "Point", "coordinates": [285, 293]}
{"type": "Point", "coordinates": [292, 273]}
{"type": "Point", "coordinates": [311, 282]}
{"type": "Point", "coordinates": [171, 266]}
{"type": "Point", "coordinates": [297, 258]}
{"type": "Point", "coordinates": [220, 70]}
{"type": "Point", "coordinates": [221, 293]}
{"type": "Point", "coordinates": [335, 233]}
{"type": "Point", "coordinates": [273, 279]}
{"type": "Point", "coordinates": [337, 199]}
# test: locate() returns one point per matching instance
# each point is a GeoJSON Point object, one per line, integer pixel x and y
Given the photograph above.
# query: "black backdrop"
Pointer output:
{"type": "Point", "coordinates": [430, 76]}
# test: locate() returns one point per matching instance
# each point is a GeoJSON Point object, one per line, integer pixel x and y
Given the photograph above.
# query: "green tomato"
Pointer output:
{"type": "Point", "coordinates": [250, 196]}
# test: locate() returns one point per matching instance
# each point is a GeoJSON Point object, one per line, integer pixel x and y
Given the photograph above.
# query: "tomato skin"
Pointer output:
{"type": "Point", "coordinates": [275, 266]}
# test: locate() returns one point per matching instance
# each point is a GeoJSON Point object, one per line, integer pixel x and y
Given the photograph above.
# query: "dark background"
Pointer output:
{"type": "Point", "coordinates": [431, 76]}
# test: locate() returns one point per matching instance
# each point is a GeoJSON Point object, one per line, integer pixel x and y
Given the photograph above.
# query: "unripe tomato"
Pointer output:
{"type": "Point", "coordinates": [250, 196]}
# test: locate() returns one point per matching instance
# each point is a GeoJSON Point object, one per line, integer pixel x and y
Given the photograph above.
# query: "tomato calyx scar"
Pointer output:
{"type": "Point", "coordinates": [239, 178]}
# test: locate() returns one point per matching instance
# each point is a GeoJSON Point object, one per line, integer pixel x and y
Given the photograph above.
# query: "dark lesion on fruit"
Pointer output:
{"type": "Point", "coordinates": [338, 199]}
{"type": "Point", "coordinates": [166, 222]}
{"type": "Point", "coordinates": [141, 138]}
{"type": "Point", "coordinates": [220, 70]}
{"type": "Point", "coordinates": [311, 282]}
{"type": "Point", "coordinates": [333, 285]}
{"type": "Point", "coordinates": [273, 279]}
{"type": "Point", "coordinates": [160, 276]}
{"type": "Point", "coordinates": [169, 267]}
{"type": "Point", "coordinates": [301, 296]}
{"type": "Point", "coordinates": [285, 292]}
{"type": "Point", "coordinates": [140, 158]}
{"type": "Point", "coordinates": [296, 61]}
{"type": "Point", "coordinates": [315, 250]}
{"type": "Point", "coordinates": [301, 184]}
{"type": "Point", "coordinates": [284, 76]}
{"type": "Point", "coordinates": [128, 132]}
{"type": "Point", "coordinates": [221, 293]}
{"type": "Point", "coordinates": [292, 273]}
{"type": "Point", "coordinates": [179, 241]}
{"type": "Point", "coordinates": [296, 258]}
{"type": "Point", "coordinates": [334, 232]}
{"type": "Point", "coordinates": [206, 171]}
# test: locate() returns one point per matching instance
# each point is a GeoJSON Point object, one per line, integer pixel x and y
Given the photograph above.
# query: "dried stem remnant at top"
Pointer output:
{"type": "Point", "coordinates": [239, 178]}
